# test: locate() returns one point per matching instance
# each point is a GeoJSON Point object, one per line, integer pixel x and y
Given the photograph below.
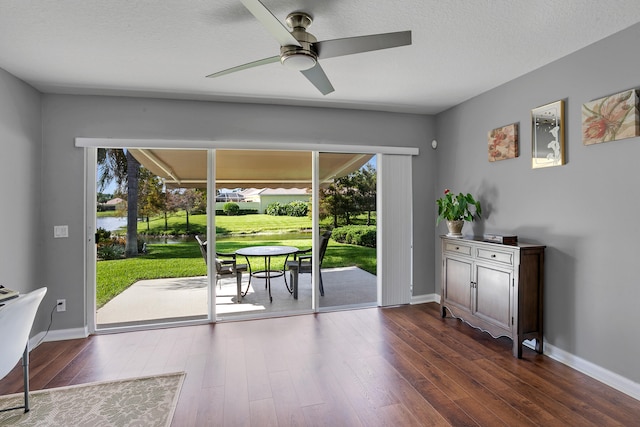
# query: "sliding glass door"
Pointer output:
{"type": "Point", "coordinates": [195, 207]}
{"type": "Point", "coordinates": [347, 213]}
{"type": "Point", "coordinates": [263, 218]}
{"type": "Point", "coordinates": [150, 207]}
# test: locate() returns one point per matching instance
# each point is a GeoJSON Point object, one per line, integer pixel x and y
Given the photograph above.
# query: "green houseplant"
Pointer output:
{"type": "Point", "coordinates": [456, 209]}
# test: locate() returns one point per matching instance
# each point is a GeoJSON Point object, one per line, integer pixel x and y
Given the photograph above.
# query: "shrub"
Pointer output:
{"type": "Point", "coordinates": [102, 235]}
{"type": "Point", "coordinates": [231, 208]}
{"type": "Point", "coordinates": [297, 208]}
{"type": "Point", "coordinates": [240, 212]}
{"type": "Point", "coordinates": [114, 247]}
{"type": "Point", "coordinates": [275, 209]}
{"type": "Point", "coordinates": [111, 250]}
{"type": "Point", "coordinates": [361, 235]}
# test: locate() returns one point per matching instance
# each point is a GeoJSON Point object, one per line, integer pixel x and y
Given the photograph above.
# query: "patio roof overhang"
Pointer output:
{"type": "Point", "coordinates": [187, 168]}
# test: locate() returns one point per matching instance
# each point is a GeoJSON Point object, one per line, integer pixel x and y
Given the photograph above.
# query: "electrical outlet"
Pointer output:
{"type": "Point", "coordinates": [62, 305]}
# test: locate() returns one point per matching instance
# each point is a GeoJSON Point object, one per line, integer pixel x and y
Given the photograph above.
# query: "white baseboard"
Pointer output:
{"type": "Point", "coordinates": [597, 372]}
{"type": "Point", "coordinates": [58, 335]}
{"type": "Point", "coordinates": [617, 381]}
{"type": "Point", "coordinates": [422, 299]}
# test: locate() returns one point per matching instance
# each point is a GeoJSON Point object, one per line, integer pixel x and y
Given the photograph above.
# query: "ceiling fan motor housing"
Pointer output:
{"type": "Point", "coordinates": [299, 57]}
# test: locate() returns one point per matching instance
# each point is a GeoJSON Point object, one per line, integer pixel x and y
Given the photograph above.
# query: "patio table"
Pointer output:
{"type": "Point", "coordinates": [267, 252]}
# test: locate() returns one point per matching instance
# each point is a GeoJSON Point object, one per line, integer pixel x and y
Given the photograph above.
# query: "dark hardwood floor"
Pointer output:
{"type": "Point", "coordinates": [396, 366]}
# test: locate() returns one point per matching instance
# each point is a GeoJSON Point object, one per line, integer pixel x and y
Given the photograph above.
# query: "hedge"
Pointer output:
{"type": "Point", "coordinates": [361, 235]}
{"type": "Point", "coordinates": [231, 208]}
{"type": "Point", "coordinates": [296, 208]}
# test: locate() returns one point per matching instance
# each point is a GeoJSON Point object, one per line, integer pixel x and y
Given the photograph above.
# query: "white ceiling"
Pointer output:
{"type": "Point", "coordinates": [460, 48]}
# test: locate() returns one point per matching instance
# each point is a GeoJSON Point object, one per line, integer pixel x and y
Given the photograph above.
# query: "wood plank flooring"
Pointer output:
{"type": "Point", "coordinates": [373, 367]}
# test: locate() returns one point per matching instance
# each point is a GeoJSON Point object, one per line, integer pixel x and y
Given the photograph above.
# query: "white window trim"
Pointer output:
{"type": "Point", "coordinates": [240, 145]}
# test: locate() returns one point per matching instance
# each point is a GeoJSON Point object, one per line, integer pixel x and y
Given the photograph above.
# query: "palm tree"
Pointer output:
{"type": "Point", "coordinates": [121, 167]}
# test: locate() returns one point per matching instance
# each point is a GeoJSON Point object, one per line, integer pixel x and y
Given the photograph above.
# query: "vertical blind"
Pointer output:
{"type": "Point", "coordinates": [395, 230]}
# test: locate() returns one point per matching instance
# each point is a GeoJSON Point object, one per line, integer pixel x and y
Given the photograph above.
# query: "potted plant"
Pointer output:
{"type": "Point", "coordinates": [456, 209]}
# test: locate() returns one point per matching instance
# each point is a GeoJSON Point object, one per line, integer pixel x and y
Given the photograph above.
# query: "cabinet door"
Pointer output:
{"type": "Point", "coordinates": [457, 282]}
{"type": "Point", "coordinates": [493, 295]}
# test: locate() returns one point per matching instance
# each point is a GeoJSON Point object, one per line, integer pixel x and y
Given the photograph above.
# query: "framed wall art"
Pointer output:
{"type": "Point", "coordinates": [503, 143]}
{"type": "Point", "coordinates": [611, 118]}
{"type": "Point", "coordinates": [547, 139]}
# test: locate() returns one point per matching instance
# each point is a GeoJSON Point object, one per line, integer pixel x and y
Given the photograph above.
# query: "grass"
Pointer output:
{"type": "Point", "coordinates": [175, 260]}
{"type": "Point", "coordinates": [241, 224]}
{"type": "Point", "coordinates": [185, 260]}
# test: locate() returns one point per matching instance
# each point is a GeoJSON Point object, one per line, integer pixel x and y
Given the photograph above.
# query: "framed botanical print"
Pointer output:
{"type": "Point", "coordinates": [503, 143]}
{"type": "Point", "coordinates": [547, 139]}
{"type": "Point", "coordinates": [611, 118]}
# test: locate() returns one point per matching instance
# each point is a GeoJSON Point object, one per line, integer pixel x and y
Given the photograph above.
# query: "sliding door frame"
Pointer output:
{"type": "Point", "coordinates": [92, 144]}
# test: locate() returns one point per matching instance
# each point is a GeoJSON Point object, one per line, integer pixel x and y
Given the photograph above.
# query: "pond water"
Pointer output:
{"type": "Point", "coordinates": [111, 223]}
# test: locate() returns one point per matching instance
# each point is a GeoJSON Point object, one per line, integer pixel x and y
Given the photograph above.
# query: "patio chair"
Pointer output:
{"type": "Point", "coordinates": [302, 263]}
{"type": "Point", "coordinates": [16, 320]}
{"type": "Point", "coordinates": [225, 266]}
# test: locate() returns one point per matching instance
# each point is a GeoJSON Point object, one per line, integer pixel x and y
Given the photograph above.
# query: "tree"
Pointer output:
{"type": "Point", "coordinates": [189, 199]}
{"type": "Point", "coordinates": [133, 168]}
{"type": "Point", "coordinates": [364, 179]}
{"type": "Point", "coordinates": [171, 203]}
{"type": "Point", "coordinates": [150, 197]}
{"type": "Point", "coordinates": [333, 201]}
{"type": "Point", "coordinates": [116, 165]}
{"type": "Point", "coordinates": [103, 197]}
{"type": "Point", "coordinates": [350, 195]}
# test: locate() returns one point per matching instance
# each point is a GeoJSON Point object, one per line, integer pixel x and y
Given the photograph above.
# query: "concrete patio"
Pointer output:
{"type": "Point", "coordinates": [177, 299]}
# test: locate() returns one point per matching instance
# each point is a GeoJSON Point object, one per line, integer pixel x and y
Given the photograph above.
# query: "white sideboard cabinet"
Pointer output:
{"type": "Point", "coordinates": [494, 287]}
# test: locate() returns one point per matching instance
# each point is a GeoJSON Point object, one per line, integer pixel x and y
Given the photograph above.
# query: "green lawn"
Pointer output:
{"type": "Point", "coordinates": [241, 224]}
{"type": "Point", "coordinates": [185, 260]}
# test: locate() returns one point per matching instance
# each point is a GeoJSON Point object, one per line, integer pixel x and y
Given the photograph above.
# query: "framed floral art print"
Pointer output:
{"type": "Point", "coordinates": [503, 143]}
{"type": "Point", "coordinates": [611, 118]}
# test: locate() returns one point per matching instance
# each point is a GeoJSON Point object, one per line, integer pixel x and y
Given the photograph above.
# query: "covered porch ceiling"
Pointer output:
{"type": "Point", "coordinates": [187, 168]}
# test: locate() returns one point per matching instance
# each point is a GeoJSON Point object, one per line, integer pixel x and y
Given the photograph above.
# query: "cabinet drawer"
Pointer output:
{"type": "Point", "coordinates": [458, 248]}
{"type": "Point", "coordinates": [497, 256]}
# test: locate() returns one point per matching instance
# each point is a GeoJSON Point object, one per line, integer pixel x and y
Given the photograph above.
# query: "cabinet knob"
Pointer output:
{"type": "Point", "coordinates": [493, 255]}
{"type": "Point", "coordinates": [457, 248]}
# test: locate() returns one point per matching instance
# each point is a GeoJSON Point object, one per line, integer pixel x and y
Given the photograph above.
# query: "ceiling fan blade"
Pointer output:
{"type": "Point", "coordinates": [319, 79]}
{"type": "Point", "coordinates": [246, 66]}
{"type": "Point", "coordinates": [348, 46]}
{"type": "Point", "coordinates": [273, 25]}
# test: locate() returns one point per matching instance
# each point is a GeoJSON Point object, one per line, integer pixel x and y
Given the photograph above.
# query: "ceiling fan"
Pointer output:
{"type": "Point", "coordinates": [300, 50]}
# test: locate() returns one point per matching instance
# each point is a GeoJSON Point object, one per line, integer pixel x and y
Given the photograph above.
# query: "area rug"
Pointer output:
{"type": "Point", "coordinates": [147, 401]}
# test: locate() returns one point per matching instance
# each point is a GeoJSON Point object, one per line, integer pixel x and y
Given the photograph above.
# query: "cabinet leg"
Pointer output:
{"type": "Point", "coordinates": [539, 345]}
{"type": "Point", "coordinates": [443, 310]}
{"type": "Point", "coordinates": [517, 347]}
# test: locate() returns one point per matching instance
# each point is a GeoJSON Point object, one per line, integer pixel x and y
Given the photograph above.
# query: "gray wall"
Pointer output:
{"type": "Point", "coordinates": [68, 117]}
{"type": "Point", "coordinates": [585, 212]}
{"type": "Point", "coordinates": [20, 164]}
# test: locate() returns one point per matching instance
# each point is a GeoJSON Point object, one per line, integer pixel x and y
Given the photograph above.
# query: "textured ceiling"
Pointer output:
{"type": "Point", "coordinates": [165, 48]}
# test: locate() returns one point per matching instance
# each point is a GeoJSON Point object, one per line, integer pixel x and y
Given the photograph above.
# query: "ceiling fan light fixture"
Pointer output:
{"type": "Point", "coordinates": [298, 60]}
